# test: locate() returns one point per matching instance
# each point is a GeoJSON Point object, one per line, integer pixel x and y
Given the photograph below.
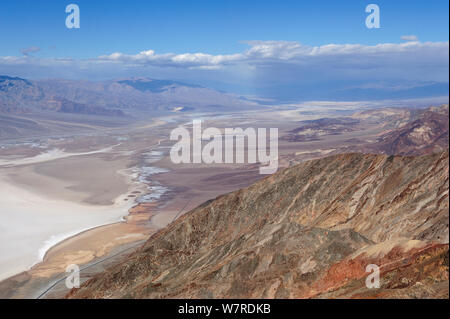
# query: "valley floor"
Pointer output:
{"type": "Point", "coordinates": [57, 195]}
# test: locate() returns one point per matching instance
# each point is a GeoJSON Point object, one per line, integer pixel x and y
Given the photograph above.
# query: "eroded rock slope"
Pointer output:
{"type": "Point", "coordinates": [306, 232]}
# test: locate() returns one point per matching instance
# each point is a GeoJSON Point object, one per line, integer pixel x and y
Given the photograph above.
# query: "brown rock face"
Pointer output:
{"type": "Point", "coordinates": [306, 232]}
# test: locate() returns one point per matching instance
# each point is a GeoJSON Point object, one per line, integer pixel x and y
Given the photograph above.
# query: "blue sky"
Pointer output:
{"type": "Point", "coordinates": [209, 26]}
{"type": "Point", "coordinates": [215, 29]}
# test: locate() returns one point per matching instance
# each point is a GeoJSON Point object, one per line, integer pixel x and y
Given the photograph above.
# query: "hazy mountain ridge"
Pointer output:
{"type": "Point", "coordinates": [110, 97]}
{"type": "Point", "coordinates": [307, 231]}
{"type": "Point", "coordinates": [354, 91]}
{"type": "Point", "coordinates": [66, 106]}
{"type": "Point", "coordinates": [32, 108]}
{"type": "Point", "coordinates": [156, 86]}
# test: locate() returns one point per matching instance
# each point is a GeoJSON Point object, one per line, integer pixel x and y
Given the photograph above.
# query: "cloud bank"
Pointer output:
{"type": "Point", "coordinates": [266, 52]}
{"type": "Point", "coordinates": [277, 67]}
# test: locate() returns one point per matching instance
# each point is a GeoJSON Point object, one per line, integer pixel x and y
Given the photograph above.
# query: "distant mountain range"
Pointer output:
{"type": "Point", "coordinates": [348, 91]}
{"type": "Point", "coordinates": [111, 98]}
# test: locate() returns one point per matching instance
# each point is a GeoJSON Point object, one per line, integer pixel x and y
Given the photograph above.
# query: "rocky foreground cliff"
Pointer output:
{"type": "Point", "coordinates": [306, 232]}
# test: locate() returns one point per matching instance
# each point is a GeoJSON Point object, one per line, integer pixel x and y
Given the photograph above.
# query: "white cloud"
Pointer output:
{"type": "Point", "coordinates": [266, 52]}
{"type": "Point", "coordinates": [264, 64]}
{"type": "Point", "coordinates": [187, 60]}
{"type": "Point", "coordinates": [286, 52]}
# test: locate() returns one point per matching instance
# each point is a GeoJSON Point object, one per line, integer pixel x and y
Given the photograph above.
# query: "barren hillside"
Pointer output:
{"type": "Point", "coordinates": [306, 232]}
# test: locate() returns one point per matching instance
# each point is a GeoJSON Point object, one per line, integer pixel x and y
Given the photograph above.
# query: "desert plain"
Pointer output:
{"type": "Point", "coordinates": [90, 198]}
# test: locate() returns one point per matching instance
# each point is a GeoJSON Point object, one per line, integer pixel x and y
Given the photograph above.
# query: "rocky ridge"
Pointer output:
{"type": "Point", "coordinates": [305, 232]}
